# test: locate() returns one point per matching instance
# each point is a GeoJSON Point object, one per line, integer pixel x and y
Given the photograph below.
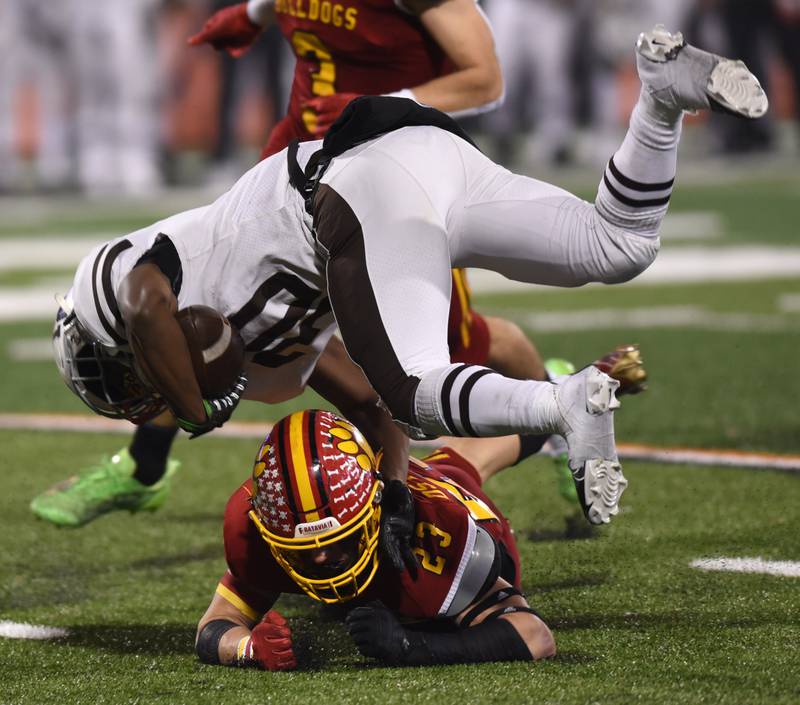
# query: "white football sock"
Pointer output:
{"type": "Point", "coordinates": [469, 400]}
{"type": "Point", "coordinates": [637, 183]}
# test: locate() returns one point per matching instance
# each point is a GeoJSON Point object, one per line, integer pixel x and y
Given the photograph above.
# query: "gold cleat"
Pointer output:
{"type": "Point", "coordinates": [625, 365]}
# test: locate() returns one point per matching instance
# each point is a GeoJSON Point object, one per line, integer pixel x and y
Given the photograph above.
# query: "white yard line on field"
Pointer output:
{"type": "Point", "coordinates": [676, 265]}
{"type": "Point", "coordinates": [692, 225]}
{"type": "Point", "coordinates": [789, 569]}
{"type": "Point", "coordinates": [789, 303]}
{"type": "Point", "coordinates": [47, 252]}
{"type": "Point", "coordinates": [21, 630]}
{"type": "Point", "coordinates": [652, 317]}
{"type": "Point", "coordinates": [76, 423]}
{"type": "Point", "coordinates": [686, 265]}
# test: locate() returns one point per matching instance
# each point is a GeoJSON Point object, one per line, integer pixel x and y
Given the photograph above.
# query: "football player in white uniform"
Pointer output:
{"type": "Point", "coordinates": [364, 229]}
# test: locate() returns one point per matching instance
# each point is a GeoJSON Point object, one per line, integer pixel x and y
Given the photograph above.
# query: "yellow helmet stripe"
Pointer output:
{"type": "Point", "coordinates": [299, 460]}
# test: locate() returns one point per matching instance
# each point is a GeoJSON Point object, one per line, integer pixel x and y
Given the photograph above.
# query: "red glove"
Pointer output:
{"type": "Point", "coordinates": [327, 109]}
{"type": "Point", "coordinates": [272, 643]}
{"type": "Point", "coordinates": [229, 29]}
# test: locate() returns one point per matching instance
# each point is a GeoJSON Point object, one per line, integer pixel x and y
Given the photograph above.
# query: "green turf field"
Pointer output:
{"type": "Point", "coordinates": [634, 623]}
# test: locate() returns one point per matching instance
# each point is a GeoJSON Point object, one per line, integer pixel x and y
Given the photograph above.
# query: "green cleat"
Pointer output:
{"type": "Point", "coordinates": [564, 481]}
{"type": "Point", "coordinates": [102, 489]}
{"type": "Point", "coordinates": [557, 367]}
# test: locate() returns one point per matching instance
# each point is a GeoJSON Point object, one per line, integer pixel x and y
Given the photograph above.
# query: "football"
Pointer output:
{"type": "Point", "coordinates": [216, 348]}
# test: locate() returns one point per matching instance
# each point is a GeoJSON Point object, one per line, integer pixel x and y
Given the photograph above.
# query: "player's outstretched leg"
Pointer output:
{"type": "Point", "coordinates": [586, 402]}
{"type": "Point", "coordinates": [676, 77]}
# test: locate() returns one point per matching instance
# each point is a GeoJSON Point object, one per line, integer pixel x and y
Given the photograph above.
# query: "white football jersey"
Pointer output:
{"type": "Point", "coordinates": [249, 255]}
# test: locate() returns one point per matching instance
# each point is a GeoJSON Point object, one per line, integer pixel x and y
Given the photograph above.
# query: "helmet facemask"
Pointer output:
{"type": "Point", "coordinates": [357, 544]}
{"type": "Point", "coordinates": [316, 502]}
{"type": "Point", "coordinates": [105, 379]}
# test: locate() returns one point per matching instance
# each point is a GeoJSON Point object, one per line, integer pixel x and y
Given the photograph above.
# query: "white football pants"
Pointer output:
{"type": "Point", "coordinates": [421, 201]}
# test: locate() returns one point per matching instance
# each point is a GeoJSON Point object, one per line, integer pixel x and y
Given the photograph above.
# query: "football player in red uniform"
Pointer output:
{"type": "Point", "coordinates": [438, 52]}
{"type": "Point", "coordinates": [307, 522]}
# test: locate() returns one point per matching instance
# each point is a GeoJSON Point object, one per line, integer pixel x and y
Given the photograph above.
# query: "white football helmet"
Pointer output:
{"type": "Point", "coordinates": [105, 379]}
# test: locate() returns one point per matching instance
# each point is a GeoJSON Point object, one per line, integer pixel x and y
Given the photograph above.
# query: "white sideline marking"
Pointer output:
{"type": "Point", "coordinates": [789, 569]}
{"type": "Point", "coordinates": [684, 264]}
{"type": "Point", "coordinates": [30, 349]}
{"type": "Point", "coordinates": [692, 225]}
{"type": "Point", "coordinates": [21, 630]}
{"type": "Point", "coordinates": [649, 317]}
{"type": "Point", "coordinates": [679, 264]}
{"type": "Point", "coordinates": [76, 423]}
{"type": "Point", "coordinates": [709, 457]}
{"type": "Point", "coordinates": [52, 252]}
{"type": "Point", "coordinates": [652, 317]}
{"type": "Point", "coordinates": [789, 303]}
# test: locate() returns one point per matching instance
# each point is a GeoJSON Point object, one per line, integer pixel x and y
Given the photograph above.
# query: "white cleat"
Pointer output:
{"type": "Point", "coordinates": [587, 402]}
{"type": "Point", "coordinates": [683, 77]}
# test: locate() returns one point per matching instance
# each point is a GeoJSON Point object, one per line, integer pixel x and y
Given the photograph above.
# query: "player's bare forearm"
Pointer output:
{"type": "Point", "coordinates": [459, 91]}
{"type": "Point", "coordinates": [376, 422]}
{"type": "Point", "coordinates": [148, 307]}
{"type": "Point", "coordinates": [221, 609]}
{"type": "Point", "coordinates": [461, 30]}
{"type": "Point", "coordinates": [343, 383]}
{"type": "Point", "coordinates": [226, 636]}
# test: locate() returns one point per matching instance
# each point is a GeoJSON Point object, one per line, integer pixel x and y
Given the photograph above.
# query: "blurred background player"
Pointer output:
{"type": "Point", "coordinates": [99, 120]}
{"type": "Point", "coordinates": [306, 522]}
{"type": "Point", "coordinates": [439, 52]}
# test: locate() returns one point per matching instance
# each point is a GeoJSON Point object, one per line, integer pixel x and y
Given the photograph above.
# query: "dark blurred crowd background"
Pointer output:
{"type": "Point", "coordinates": [105, 97]}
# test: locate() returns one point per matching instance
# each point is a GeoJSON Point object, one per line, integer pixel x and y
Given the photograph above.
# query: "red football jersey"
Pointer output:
{"type": "Point", "coordinates": [449, 506]}
{"type": "Point", "coordinates": [367, 47]}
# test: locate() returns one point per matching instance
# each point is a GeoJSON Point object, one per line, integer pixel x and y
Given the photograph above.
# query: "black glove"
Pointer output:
{"type": "Point", "coordinates": [218, 411]}
{"type": "Point", "coordinates": [377, 633]}
{"type": "Point", "coordinates": [397, 527]}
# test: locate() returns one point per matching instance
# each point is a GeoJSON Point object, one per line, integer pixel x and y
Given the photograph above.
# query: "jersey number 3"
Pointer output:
{"type": "Point", "coordinates": [323, 81]}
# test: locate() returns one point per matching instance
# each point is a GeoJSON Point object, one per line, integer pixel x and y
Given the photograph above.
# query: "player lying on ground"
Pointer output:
{"type": "Point", "coordinates": [307, 521]}
{"type": "Point", "coordinates": [365, 228]}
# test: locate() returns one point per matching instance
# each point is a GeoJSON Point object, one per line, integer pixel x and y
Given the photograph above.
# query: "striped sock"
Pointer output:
{"type": "Point", "coordinates": [637, 183]}
{"type": "Point", "coordinates": [469, 400]}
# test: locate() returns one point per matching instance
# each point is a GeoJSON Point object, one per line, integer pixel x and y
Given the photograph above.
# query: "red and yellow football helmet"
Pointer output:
{"type": "Point", "coordinates": [316, 502]}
